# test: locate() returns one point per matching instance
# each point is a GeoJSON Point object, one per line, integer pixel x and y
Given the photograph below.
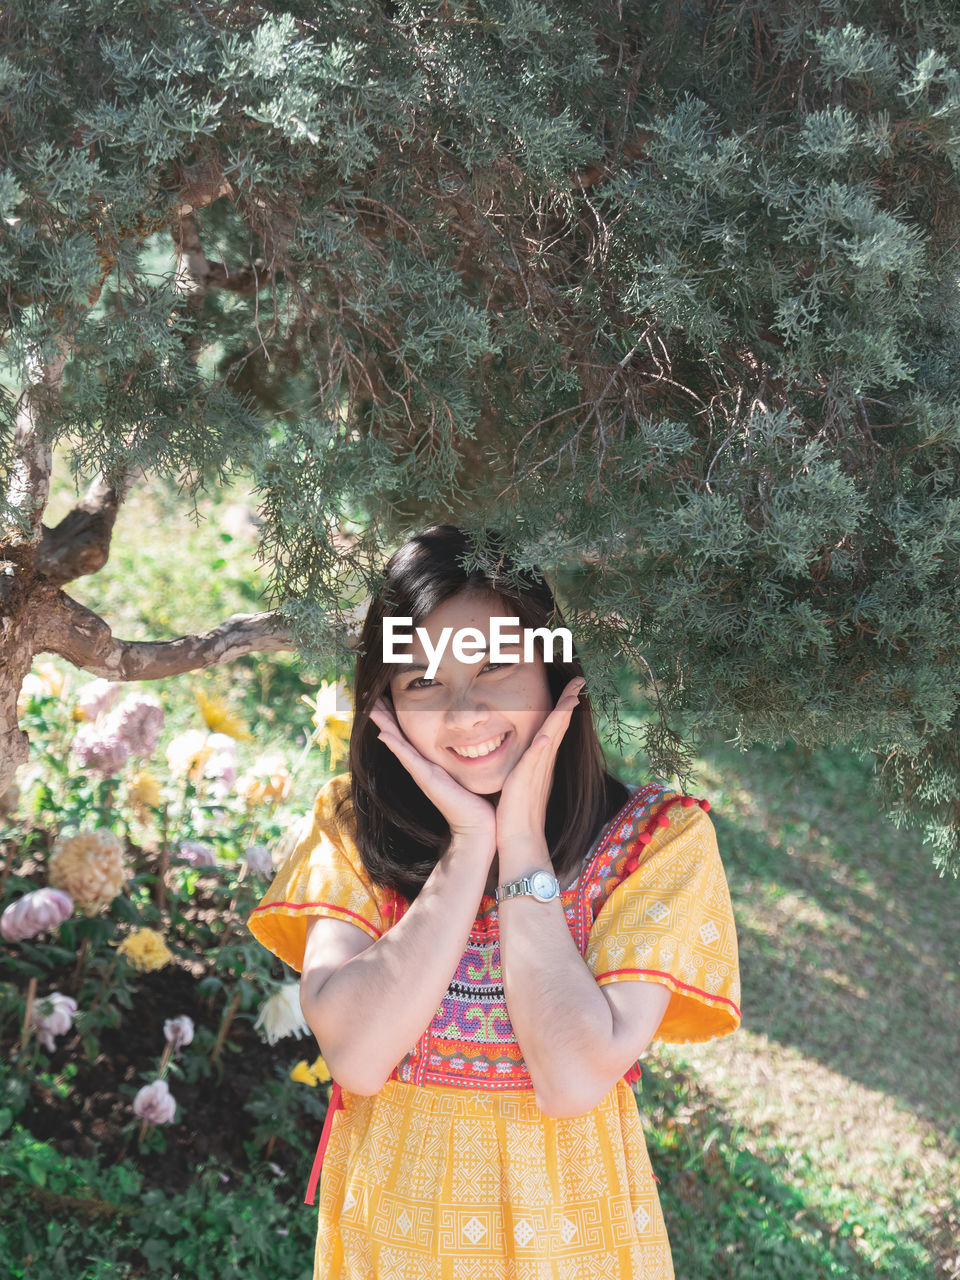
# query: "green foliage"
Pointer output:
{"type": "Point", "coordinates": [667, 292]}
{"type": "Point", "coordinates": [78, 1218]}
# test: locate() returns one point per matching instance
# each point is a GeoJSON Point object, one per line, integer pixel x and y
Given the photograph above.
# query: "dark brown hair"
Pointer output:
{"type": "Point", "coordinates": [400, 833]}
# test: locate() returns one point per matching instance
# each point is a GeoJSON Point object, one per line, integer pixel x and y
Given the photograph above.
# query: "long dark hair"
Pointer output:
{"type": "Point", "coordinates": [400, 833]}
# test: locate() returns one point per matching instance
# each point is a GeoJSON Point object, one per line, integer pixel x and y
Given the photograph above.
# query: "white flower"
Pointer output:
{"type": "Point", "coordinates": [53, 1016]}
{"type": "Point", "coordinates": [281, 1015]}
{"type": "Point", "coordinates": [155, 1103]}
{"type": "Point", "coordinates": [259, 859]}
{"type": "Point", "coordinates": [178, 1032]}
{"type": "Point", "coordinates": [187, 753]}
{"type": "Point", "coordinates": [96, 698]}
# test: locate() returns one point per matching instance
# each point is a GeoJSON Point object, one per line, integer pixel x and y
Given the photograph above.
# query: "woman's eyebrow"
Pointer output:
{"type": "Point", "coordinates": [423, 666]}
{"type": "Point", "coordinates": [508, 647]}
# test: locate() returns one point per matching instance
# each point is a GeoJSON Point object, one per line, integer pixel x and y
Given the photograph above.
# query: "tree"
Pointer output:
{"type": "Point", "coordinates": [666, 291]}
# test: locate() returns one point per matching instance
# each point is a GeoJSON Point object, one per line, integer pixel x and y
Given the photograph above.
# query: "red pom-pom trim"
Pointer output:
{"type": "Point", "coordinates": [688, 801]}
{"type": "Point", "coordinates": [663, 820]}
{"type": "Point", "coordinates": [631, 864]}
{"type": "Point", "coordinates": [644, 837]}
{"type": "Point", "coordinates": [704, 805]}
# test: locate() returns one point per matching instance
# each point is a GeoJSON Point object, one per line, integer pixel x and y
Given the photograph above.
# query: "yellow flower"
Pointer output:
{"type": "Point", "coordinates": [333, 718]}
{"type": "Point", "coordinates": [146, 950]}
{"type": "Point", "coordinates": [321, 1070]}
{"type": "Point", "coordinates": [219, 719]}
{"type": "Point", "coordinates": [317, 1073]}
{"type": "Point", "coordinates": [303, 1075]}
{"type": "Point", "coordinates": [143, 791]}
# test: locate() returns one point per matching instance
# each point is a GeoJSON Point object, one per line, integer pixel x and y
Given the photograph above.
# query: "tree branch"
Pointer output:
{"type": "Point", "coordinates": [80, 543]}
{"type": "Point", "coordinates": [29, 487]}
{"type": "Point", "coordinates": [66, 627]}
{"type": "Point", "coordinates": [196, 274]}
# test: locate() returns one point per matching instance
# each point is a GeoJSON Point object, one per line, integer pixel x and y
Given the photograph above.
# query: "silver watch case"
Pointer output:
{"type": "Point", "coordinates": [540, 885]}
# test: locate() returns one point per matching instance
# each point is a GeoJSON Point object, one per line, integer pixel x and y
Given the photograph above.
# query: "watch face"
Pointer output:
{"type": "Point", "coordinates": [544, 885]}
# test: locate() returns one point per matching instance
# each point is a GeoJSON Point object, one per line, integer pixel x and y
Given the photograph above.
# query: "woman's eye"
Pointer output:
{"type": "Point", "coordinates": [421, 682]}
{"type": "Point", "coordinates": [496, 666]}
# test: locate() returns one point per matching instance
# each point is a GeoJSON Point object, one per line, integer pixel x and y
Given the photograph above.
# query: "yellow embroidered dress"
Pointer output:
{"type": "Point", "coordinates": [451, 1171]}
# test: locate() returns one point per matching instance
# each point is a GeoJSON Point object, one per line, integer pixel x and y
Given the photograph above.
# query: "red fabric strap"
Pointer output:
{"type": "Point", "coordinates": [335, 1104]}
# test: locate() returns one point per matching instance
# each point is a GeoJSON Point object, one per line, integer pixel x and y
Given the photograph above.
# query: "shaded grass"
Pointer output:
{"type": "Point", "coordinates": [837, 1104]}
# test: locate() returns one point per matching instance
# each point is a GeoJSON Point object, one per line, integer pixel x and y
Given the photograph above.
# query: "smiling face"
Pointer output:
{"type": "Point", "coordinates": [473, 719]}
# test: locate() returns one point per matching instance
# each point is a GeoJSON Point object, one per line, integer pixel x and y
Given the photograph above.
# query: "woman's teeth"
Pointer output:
{"type": "Point", "coordinates": [485, 748]}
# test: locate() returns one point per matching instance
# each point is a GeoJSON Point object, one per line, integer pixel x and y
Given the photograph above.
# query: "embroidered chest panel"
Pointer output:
{"type": "Point", "coordinates": [470, 1042]}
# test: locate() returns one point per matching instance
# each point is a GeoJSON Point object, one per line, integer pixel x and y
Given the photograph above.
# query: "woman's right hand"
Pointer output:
{"type": "Point", "coordinates": [469, 816]}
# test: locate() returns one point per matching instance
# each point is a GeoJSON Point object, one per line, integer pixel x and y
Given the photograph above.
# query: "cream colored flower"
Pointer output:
{"type": "Point", "coordinates": [281, 1015]}
{"type": "Point", "coordinates": [187, 753]}
{"type": "Point", "coordinates": [267, 781]}
{"type": "Point", "coordinates": [89, 866]}
{"type": "Point", "coordinates": [95, 698]}
{"type": "Point", "coordinates": [44, 681]}
{"type": "Point", "coordinates": [146, 950]}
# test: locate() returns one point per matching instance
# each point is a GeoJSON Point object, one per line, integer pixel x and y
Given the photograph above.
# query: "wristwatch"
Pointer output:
{"type": "Point", "coordinates": [540, 885]}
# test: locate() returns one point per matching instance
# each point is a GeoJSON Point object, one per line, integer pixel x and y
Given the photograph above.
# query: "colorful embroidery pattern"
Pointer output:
{"type": "Point", "coordinates": [470, 1043]}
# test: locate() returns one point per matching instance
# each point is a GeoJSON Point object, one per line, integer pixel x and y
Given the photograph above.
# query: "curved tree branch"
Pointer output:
{"type": "Point", "coordinates": [66, 627]}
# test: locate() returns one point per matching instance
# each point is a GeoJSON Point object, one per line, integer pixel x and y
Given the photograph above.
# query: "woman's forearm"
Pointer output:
{"type": "Point", "coordinates": [563, 1023]}
{"type": "Point", "coordinates": [371, 1011]}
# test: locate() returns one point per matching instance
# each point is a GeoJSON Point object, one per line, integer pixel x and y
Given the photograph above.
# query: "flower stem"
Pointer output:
{"type": "Point", "coordinates": [225, 1027]}
{"type": "Point", "coordinates": [160, 888]}
{"type": "Point", "coordinates": [28, 1015]}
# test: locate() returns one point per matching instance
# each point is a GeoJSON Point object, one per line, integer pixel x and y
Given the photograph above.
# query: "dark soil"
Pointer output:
{"type": "Point", "coordinates": [212, 1126]}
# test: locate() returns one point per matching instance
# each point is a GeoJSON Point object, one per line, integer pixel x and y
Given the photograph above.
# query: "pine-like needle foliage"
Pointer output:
{"type": "Point", "coordinates": [666, 291]}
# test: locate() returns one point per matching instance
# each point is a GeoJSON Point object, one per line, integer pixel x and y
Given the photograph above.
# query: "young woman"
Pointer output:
{"type": "Point", "coordinates": [490, 930]}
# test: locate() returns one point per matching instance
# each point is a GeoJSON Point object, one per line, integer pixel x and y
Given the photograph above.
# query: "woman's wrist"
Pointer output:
{"type": "Point", "coordinates": [521, 854]}
{"type": "Point", "coordinates": [476, 845]}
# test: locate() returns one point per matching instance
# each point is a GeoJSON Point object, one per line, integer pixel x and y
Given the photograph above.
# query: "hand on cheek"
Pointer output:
{"type": "Point", "coordinates": [522, 810]}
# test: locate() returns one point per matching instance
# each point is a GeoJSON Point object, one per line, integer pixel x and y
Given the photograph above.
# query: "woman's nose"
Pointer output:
{"type": "Point", "coordinates": [466, 709]}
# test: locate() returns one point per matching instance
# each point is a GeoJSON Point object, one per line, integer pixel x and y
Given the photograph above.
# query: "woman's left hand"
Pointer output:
{"type": "Point", "coordinates": [522, 807]}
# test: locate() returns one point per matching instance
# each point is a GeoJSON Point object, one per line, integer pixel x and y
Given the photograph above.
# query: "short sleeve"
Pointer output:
{"type": "Point", "coordinates": [670, 921]}
{"type": "Point", "coordinates": [321, 876]}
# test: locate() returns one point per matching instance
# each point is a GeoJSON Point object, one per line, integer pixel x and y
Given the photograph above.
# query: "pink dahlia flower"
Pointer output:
{"type": "Point", "coordinates": [196, 853]}
{"type": "Point", "coordinates": [155, 1103]}
{"type": "Point", "coordinates": [178, 1032]}
{"type": "Point", "coordinates": [36, 912]}
{"type": "Point", "coordinates": [100, 749]}
{"type": "Point", "coordinates": [138, 721]}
